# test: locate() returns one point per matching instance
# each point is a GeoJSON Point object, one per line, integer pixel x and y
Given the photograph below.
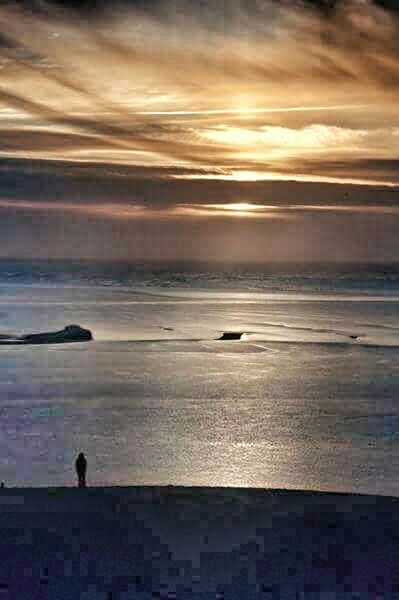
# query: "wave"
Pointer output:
{"type": "Point", "coordinates": [362, 279]}
{"type": "Point", "coordinates": [245, 344]}
{"type": "Point", "coordinates": [158, 297]}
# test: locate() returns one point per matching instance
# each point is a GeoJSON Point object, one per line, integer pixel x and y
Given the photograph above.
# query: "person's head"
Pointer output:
{"type": "Point", "coordinates": [81, 455]}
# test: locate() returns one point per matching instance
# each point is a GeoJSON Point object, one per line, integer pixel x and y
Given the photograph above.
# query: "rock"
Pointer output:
{"type": "Point", "coordinates": [231, 335]}
{"type": "Point", "coordinates": [70, 333]}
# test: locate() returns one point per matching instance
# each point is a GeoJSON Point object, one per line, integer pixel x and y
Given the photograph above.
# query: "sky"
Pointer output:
{"type": "Point", "coordinates": [244, 131]}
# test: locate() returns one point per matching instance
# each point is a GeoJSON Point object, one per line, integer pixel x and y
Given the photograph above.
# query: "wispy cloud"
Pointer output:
{"type": "Point", "coordinates": [227, 89]}
{"type": "Point", "coordinates": [200, 130]}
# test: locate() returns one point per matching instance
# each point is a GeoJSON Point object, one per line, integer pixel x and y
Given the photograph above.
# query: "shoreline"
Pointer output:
{"type": "Point", "coordinates": [172, 488]}
{"type": "Point", "coordinates": [211, 490]}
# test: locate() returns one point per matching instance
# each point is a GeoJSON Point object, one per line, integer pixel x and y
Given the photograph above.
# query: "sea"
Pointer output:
{"type": "Point", "coordinates": [307, 398]}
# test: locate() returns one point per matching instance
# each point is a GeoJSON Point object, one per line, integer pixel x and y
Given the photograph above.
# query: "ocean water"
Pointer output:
{"type": "Point", "coordinates": [308, 398]}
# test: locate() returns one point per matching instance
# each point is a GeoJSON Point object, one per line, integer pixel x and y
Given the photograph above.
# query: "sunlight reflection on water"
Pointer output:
{"type": "Point", "coordinates": [183, 408]}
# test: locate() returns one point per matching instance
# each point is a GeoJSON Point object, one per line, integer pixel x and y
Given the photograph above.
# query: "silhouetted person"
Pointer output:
{"type": "Point", "coordinates": [81, 466]}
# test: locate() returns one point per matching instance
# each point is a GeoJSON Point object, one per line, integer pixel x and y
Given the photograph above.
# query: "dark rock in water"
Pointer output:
{"type": "Point", "coordinates": [70, 333]}
{"type": "Point", "coordinates": [353, 337]}
{"type": "Point", "coordinates": [231, 335]}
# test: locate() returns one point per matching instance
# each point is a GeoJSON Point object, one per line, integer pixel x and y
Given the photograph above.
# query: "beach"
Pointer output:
{"type": "Point", "coordinates": [196, 543]}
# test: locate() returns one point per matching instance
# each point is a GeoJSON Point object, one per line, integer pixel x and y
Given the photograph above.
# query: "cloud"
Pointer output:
{"type": "Point", "coordinates": [127, 131]}
{"type": "Point", "coordinates": [167, 187]}
{"type": "Point", "coordinates": [165, 85]}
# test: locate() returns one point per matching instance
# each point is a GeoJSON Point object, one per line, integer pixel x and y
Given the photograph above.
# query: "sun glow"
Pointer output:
{"type": "Point", "coordinates": [239, 206]}
{"type": "Point", "coordinates": [232, 210]}
{"type": "Point", "coordinates": [241, 209]}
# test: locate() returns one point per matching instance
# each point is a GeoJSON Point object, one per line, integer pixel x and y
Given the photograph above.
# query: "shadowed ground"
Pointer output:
{"type": "Point", "coordinates": [200, 543]}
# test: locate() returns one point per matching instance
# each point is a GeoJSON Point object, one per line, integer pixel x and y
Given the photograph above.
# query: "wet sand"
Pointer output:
{"type": "Point", "coordinates": [199, 543]}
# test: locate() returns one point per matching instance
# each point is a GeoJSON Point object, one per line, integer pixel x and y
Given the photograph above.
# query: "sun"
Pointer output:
{"type": "Point", "coordinates": [240, 206]}
{"type": "Point", "coordinates": [238, 209]}
{"type": "Point", "coordinates": [231, 210]}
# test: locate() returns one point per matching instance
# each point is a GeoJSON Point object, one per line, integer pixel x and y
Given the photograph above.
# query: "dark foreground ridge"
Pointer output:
{"type": "Point", "coordinates": [70, 333]}
{"type": "Point", "coordinates": [197, 543]}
